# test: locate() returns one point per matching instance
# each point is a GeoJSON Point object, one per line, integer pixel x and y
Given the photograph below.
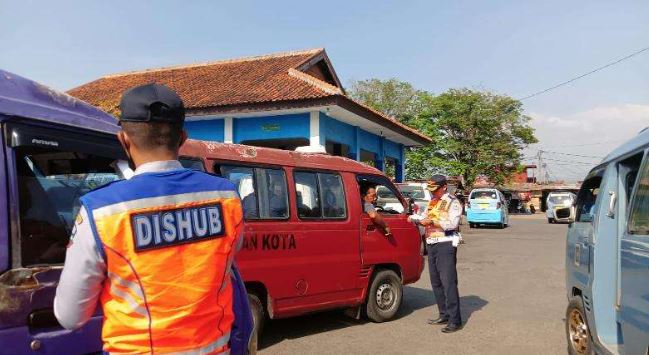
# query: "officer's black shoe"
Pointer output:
{"type": "Point", "coordinates": [438, 321]}
{"type": "Point", "coordinates": [451, 328]}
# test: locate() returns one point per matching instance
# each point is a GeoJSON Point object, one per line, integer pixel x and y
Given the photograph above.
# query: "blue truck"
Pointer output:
{"type": "Point", "coordinates": [607, 255]}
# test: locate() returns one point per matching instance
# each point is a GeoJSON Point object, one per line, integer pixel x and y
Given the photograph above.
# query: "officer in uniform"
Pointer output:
{"type": "Point", "coordinates": [155, 250]}
{"type": "Point", "coordinates": [441, 222]}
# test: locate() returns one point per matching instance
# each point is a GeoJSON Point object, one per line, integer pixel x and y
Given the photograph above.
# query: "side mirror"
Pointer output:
{"type": "Point", "coordinates": [411, 205]}
{"type": "Point", "coordinates": [563, 212]}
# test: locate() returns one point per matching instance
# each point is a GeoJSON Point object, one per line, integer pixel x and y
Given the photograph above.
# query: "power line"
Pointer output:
{"type": "Point", "coordinates": [587, 144]}
{"type": "Point", "coordinates": [584, 75]}
{"type": "Point", "coordinates": [574, 155]}
{"type": "Point", "coordinates": [571, 161]}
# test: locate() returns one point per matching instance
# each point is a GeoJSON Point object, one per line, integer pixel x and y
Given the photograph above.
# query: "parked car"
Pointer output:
{"type": "Point", "coordinates": [557, 200]}
{"type": "Point", "coordinates": [487, 207]}
{"type": "Point", "coordinates": [411, 191]}
{"type": "Point", "coordinates": [308, 246]}
{"type": "Point", "coordinates": [607, 255]}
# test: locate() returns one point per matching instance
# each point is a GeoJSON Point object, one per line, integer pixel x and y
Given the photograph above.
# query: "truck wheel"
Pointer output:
{"type": "Point", "coordinates": [259, 318]}
{"type": "Point", "coordinates": [577, 332]}
{"type": "Point", "coordinates": [384, 296]}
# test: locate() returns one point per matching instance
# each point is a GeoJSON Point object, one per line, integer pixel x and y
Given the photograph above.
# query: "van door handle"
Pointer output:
{"type": "Point", "coordinates": [611, 204]}
{"type": "Point", "coordinates": [370, 228]}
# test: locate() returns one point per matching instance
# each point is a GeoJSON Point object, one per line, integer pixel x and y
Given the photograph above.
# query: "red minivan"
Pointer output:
{"type": "Point", "coordinates": [308, 245]}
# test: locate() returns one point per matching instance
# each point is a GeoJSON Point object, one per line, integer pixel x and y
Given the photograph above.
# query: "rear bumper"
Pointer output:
{"type": "Point", "coordinates": [494, 216]}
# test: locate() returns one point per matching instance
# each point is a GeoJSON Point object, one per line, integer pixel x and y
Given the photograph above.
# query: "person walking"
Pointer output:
{"type": "Point", "coordinates": [441, 222]}
{"type": "Point", "coordinates": [156, 250]}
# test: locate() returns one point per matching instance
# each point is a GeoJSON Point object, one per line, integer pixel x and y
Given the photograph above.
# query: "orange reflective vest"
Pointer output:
{"type": "Point", "coordinates": [168, 241]}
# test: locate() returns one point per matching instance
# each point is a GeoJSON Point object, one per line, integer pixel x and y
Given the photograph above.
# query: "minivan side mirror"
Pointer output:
{"type": "Point", "coordinates": [563, 212]}
{"type": "Point", "coordinates": [411, 205]}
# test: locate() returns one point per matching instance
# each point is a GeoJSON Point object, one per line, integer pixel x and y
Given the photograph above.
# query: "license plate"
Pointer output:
{"type": "Point", "coordinates": [483, 206]}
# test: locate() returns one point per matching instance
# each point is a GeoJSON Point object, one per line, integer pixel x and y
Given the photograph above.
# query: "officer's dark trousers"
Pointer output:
{"type": "Point", "coordinates": [442, 259]}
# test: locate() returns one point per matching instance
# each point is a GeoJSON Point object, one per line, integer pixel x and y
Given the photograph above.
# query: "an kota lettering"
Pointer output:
{"type": "Point", "coordinates": [176, 226]}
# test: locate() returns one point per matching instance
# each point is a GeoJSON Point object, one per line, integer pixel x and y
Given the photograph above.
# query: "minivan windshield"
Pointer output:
{"type": "Point", "coordinates": [50, 183]}
{"type": "Point", "coordinates": [484, 194]}
{"type": "Point", "coordinates": [409, 191]}
{"type": "Point", "coordinates": [560, 199]}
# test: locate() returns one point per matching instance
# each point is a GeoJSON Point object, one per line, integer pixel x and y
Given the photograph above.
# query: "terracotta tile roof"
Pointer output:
{"type": "Point", "coordinates": [237, 84]}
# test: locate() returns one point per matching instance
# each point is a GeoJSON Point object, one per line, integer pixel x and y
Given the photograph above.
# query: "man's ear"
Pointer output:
{"type": "Point", "coordinates": [183, 138]}
{"type": "Point", "coordinates": [124, 140]}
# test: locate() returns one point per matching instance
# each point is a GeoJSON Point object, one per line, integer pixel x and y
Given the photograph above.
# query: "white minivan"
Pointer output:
{"type": "Point", "coordinates": [560, 199]}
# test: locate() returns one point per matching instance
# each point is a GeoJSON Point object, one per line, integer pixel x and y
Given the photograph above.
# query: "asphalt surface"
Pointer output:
{"type": "Point", "coordinates": [513, 301]}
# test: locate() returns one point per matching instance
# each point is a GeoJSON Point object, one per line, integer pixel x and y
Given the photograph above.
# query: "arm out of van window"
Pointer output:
{"type": "Point", "coordinates": [376, 218]}
{"type": "Point", "coordinates": [83, 274]}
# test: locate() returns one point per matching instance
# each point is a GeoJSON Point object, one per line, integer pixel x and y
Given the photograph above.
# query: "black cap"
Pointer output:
{"type": "Point", "coordinates": [438, 180]}
{"type": "Point", "coordinates": [152, 103]}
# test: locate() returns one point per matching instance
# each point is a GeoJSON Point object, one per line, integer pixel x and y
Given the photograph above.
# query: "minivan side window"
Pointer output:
{"type": "Point", "coordinates": [263, 191]}
{"type": "Point", "coordinates": [319, 195]}
{"type": "Point", "coordinates": [50, 183]}
{"type": "Point", "coordinates": [639, 216]}
{"type": "Point", "coordinates": [587, 197]}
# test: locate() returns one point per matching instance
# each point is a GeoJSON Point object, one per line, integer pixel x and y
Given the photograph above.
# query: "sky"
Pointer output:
{"type": "Point", "coordinates": [510, 47]}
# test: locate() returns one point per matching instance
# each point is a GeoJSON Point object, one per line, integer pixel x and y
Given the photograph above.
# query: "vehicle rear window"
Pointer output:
{"type": "Point", "coordinates": [639, 216]}
{"type": "Point", "coordinates": [416, 192]}
{"type": "Point", "coordinates": [484, 194]}
{"type": "Point", "coordinates": [319, 195]}
{"type": "Point", "coordinates": [263, 191]}
{"type": "Point", "coordinates": [50, 183]}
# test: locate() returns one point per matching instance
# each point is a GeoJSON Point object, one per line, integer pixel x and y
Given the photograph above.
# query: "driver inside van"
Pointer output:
{"type": "Point", "coordinates": [369, 198]}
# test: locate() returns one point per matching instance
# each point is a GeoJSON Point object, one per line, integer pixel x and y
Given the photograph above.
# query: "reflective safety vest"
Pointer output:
{"type": "Point", "coordinates": [437, 210]}
{"type": "Point", "coordinates": [168, 240]}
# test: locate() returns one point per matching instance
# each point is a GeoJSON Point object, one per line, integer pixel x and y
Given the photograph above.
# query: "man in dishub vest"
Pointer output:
{"type": "Point", "coordinates": [155, 250]}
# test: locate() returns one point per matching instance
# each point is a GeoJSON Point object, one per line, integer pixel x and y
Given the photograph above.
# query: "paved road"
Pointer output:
{"type": "Point", "coordinates": [512, 294]}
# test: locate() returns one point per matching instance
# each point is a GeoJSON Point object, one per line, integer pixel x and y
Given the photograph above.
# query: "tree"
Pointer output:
{"type": "Point", "coordinates": [397, 99]}
{"type": "Point", "coordinates": [478, 133]}
{"type": "Point", "coordinates": [474, 132]}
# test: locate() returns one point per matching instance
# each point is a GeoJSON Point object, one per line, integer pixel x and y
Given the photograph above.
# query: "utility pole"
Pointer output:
{"type": "Point", "coordinates": [540, 174]}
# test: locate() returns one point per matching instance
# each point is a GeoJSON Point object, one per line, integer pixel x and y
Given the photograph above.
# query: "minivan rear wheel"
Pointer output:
{"type": "Point", "coordinates": [577, 331]}
{"type": "Point", "coordinates": [384, 296]}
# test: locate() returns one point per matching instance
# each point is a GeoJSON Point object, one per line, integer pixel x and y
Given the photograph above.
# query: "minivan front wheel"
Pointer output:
{"type": "Point", "coordinates": [259, 318]}
{"type": "Point", "coordinates": [384, 296]}
{"type": "Point", "coordinates": [577, 332]}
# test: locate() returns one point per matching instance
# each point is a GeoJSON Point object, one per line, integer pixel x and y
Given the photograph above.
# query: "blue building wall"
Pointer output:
{"type": "Point", "coordinates": [298, 126]}
{"type": "Point", "coordinates": [271, 127]}
{"type": "Point", "coordinates": [336, 131]}
{"type": "Point", "coordinates": [207, 130]}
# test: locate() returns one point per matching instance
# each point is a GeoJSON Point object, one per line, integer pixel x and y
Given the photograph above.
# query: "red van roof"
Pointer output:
{"type": "Point", "coordinates": [270, 156]}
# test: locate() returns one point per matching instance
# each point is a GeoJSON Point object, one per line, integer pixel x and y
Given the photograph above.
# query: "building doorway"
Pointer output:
{"type": "Point", "coordinates": [337, 149]}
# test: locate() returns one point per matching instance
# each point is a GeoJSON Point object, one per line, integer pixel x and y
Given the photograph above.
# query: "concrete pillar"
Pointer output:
{"type": "Point", "coordinates": [401, 165]}
{"type": "Point", "coordinates": [228, 129]}
{"type": "Point", "coordinates": [355, 148]}
{"type": "Point", "coordinates": [314, 129]}
{"type": "Point", "coordinates": [379, 163]}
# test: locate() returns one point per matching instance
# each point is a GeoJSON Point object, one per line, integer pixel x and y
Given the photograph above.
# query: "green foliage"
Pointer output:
{"type": "Point", "coordinates": [474, 132]}
{"type": "Point", "coordinates": [397, 99]}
